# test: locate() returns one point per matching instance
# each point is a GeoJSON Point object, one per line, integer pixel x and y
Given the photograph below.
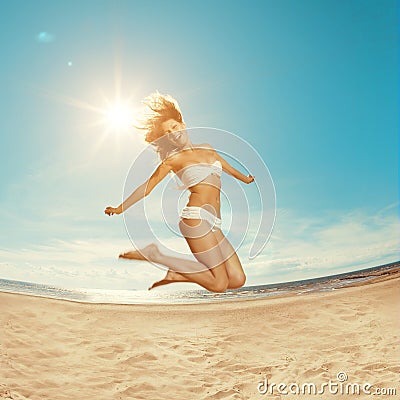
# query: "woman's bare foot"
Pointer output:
{"type": "Point", "coordinates": [169, 278]}
{"type": "Point", "coordinates": [148, 253]}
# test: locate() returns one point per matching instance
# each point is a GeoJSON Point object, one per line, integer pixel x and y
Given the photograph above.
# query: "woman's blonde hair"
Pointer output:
{"type": "Point", "coordinates": [160, 108]}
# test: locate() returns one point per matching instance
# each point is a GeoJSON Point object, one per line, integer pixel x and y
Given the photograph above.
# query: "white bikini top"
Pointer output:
{"type": "Point", "coordinates": [196, 173]}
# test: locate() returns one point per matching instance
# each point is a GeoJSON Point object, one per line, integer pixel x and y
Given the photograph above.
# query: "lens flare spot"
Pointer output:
{"type": "Point", "coordinates": [45, 37]}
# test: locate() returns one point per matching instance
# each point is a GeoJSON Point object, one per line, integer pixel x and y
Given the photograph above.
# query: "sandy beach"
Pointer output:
{"type": "Point", "coordinates": [54, 349]}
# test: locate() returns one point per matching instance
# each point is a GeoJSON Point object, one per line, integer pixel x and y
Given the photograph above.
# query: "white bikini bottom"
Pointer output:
{"type": "Point", "coordinates": [193, 212]}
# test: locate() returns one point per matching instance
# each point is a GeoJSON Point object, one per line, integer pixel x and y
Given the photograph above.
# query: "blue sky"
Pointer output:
{"type": "Point", "coordinates": [311, 85]}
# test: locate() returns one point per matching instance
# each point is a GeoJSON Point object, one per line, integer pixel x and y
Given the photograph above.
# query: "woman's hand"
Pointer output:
{"type": "Point", "coordinates": [249, 179]}
{"type": "Point", "coordinates": [112, 210]}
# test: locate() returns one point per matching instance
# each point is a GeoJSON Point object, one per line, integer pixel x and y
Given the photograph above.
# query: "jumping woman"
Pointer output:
{"type": "Point", "coordinates": [199, 168]}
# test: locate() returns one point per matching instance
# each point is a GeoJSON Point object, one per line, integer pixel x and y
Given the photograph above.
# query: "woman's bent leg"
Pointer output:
{"type": "Point", "coordinates": [204, 246]}
{"type": "Point", "coordinates": [236, 275]}
{"type": "Point", "coordinates": [209, 271]}
{"type": "Point", "coordinates": [233, 266]}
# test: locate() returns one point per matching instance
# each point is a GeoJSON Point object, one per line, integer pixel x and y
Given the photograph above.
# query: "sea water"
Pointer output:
{"type": "Point", "coordinates": [302, 287]}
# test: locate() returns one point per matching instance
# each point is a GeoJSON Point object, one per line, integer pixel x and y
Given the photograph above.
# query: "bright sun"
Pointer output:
{"type": "Point", "coordinates": [119, 116]}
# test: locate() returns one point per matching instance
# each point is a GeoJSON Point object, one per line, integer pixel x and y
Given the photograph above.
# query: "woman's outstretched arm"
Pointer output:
{"type": "Point", "coordinates": [141, 191]}
{"type": "Point", "coordinates": [233, 171]}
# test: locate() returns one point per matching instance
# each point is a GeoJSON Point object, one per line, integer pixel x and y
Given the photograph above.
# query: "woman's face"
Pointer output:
{"type": "Point", "coordinates": [176, 132]}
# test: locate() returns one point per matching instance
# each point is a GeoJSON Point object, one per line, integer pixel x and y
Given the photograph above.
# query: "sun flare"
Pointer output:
{"type": "Point", "coordinates": [119, 116]}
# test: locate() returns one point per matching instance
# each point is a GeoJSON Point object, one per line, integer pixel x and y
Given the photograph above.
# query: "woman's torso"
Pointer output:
{"type": "Point", "coordinates": [208, 190]}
